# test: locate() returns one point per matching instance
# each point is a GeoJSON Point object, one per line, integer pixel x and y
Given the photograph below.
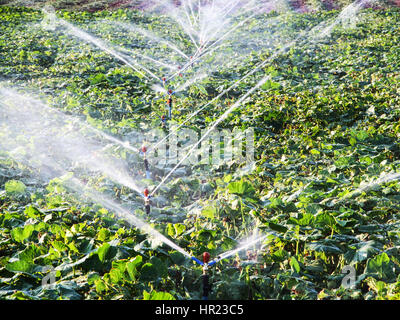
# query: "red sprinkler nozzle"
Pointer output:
{"type": "Point", "coordinates": [146, 192]}
{"type": "Point", "coordinates": [144, 149]}
{"type": "Point", "coordinates": [206, 257]}
{"type": "Point", "coordinates": [170, 91]}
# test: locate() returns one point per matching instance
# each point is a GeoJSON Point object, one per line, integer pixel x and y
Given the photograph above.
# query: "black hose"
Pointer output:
{"type": "Point", "coordinates": [206, 286]}
{"type": "Point", "coordinates": [147, 208]}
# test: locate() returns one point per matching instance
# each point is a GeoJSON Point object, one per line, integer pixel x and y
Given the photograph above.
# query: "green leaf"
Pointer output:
{"type": "Point", "coordinates": [170, 230]}
{"type": "Point", "coordinates": [179, 229]}
{"type": "Point", "coordinates": [362, 251]}
{"type": "Point", "coordinates": [21, 266]}
{"type": "Point", "coordinates": [92, 277]}
{"type": "Point", "coordinates": [295, 265]}
{"type": "Point", "coordinates": [314, 209]}
{"type": "Point", "coordinates": [241, 188]}
{"type": "Point", "coordinates": [100, 286]}
{"type": "Point", "coordinates": [306, 220]}
{"type": "Point", "coordinates": [325, 219]}
{"type": "Point", "coordinates": [19, 295]}
{"type": "Point", "coordinates": [277, 227]}
{"type": "Point", "coordinates": [279, 255]}
{"type": "Point", "coordinates": [153, 270]}
{"type": "Point", "coordinates": [95, 79]}
{"type": "Point", "coordinates": [132, 267]}
{"type": "Point", "coordinates": [209, 212]}
{"type": "Point", "coordinates": [382, 267]}
{"type": "Point", "coordinates": [177, 257]}
{"type": "Point", "coordinates": [315, 152]}
{"type": "Point", "coordinates": [116, 275]}
{"type": "Point", "coordinates": [270, 85]}
{"type": "Point", "coordinates": [20, 234]}
{"type": "Point", "coordinates": [321, 247]}
{"type": "Point", "coordinates": [148, 272]}
{"type": "Point", "coordinates": [32, 212]}
{"type": "Point", "coordinates": [59, 246]}
{"type": "Point", "coordinates": [102, 251]}
{"type": "Point", "coordinates": [14, 187]}
{"type": "Point", "coordinates": [103, 234]}
{"type": "Point", "coordinates": [156, 295]}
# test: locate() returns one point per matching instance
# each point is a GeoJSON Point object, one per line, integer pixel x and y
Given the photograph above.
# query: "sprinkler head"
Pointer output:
{"type": "Point", "coordinates": [146, 192]}
{"type": "Point", "coordinates": [170, 91]}
{"type": "Point", "coordinates": [206, 257]}
{"type": "Point", "coordinates": [144, 149]}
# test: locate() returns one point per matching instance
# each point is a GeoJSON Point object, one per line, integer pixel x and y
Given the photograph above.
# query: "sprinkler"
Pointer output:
{"type": "Point", "coordinates": [146, 167]}
{"type": "Point", "coordinates": [146, 162]}
{"type": "Point", "coordinates": [147, 200]}
{"type": "Point", "coordinates": [205, 277]}
{"type": "Point", "coordinates": [180, 73]}
{"type": "Point", "coordinates": [170, 93]}
{"type": "Point", "coordinates": [164, 80]}
{"type": "Point", "coordinates": [163, 120]}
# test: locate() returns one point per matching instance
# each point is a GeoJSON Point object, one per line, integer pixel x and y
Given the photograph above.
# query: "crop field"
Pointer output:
{"type": "Point", "coordinates": [185, 150]}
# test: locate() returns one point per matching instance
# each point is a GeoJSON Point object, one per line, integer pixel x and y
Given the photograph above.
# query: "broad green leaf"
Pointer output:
{"type": "Point", "coordinates": [295, 265]}
{"type": "Point", "coordinates": [157, 295]}
{"type": "Point", "coordinates": [100, 286]}
{"type": "Point", "coordinates": [241, 188]}
{"type": "Point", "coordinates": [103, 234]}
{"type": "Point", "coordinates": [102, 251]}
{"type": "Point", "coordinates": [209, 212]}
{"type": "Point", "coordinates": [132, 267]}
{"type": "Point", "coordinates": [32, 212]}
{"type": "Point", "coordinates": [321, 247]}
{"type": "Point", "coordinates": [382, 267]}
{"type": "Point", "coordinates": [277, 227]}
{"type": "Point", "coordinates": [116, 275]}
{"type": "Point", "coordinates": [21, 266]}
{"type": "Point", "coordinates": [21, 234]}
{"type": "Point", "coordinates": [362, 251]}
{"type": "Point", "coordinates": [14, 187]}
